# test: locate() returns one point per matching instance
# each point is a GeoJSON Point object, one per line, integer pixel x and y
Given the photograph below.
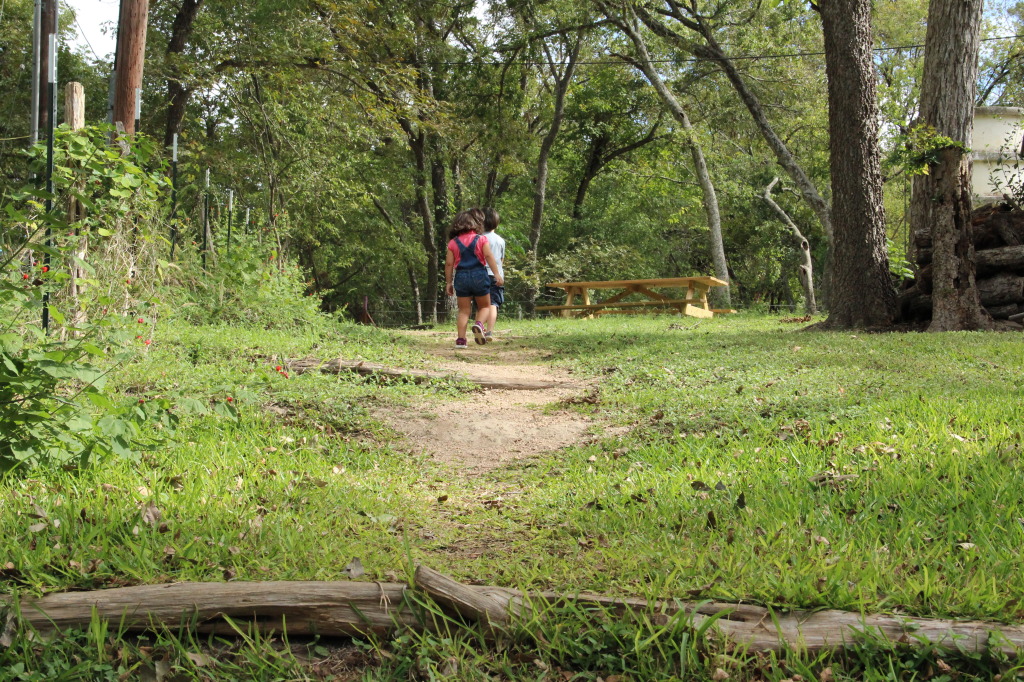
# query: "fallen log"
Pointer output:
{"type": "Point", "coordinates": [750, 627]}
{"type": "Point", "coordinates": [987, 261]}
{"type": "Point", "coordinates": [1001, 290]}
{"type": "Point", "coordinates": [914, 304]}
{"type": "Point", "coordinates": [1004, 312]}
{"type": "Point", "coordinates": [993, 225]}
{"type": "Point", "coordinates": [358, 609]}
{"type": "Point", "coordinates": [416, 375]}
{"type": "Point", "coordinates": [340, 609]}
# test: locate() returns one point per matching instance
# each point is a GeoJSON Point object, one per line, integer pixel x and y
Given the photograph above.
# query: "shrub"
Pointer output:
{"type": "Point", "coordinates": [53, 407]}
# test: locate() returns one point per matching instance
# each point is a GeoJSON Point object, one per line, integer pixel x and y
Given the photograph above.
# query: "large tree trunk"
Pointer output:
{"type": "Point", "coordinates": [561, 86]}
{"type": "Point", "coordinates": [861, 291]}
{"type": "Point", "coordinates": [941, 199]}
{"type": "Point", "coordinates": [721, 295]}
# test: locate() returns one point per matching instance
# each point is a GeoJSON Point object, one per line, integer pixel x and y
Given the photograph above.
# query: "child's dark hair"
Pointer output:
{"type": "Point", "coordinates": [491, 219]}
{"type": "Point", "coordinates": [464, 221]}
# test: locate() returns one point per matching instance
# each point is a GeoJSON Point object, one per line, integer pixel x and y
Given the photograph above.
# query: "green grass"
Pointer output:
{"type": "Point", "coordinates": [929, 521]}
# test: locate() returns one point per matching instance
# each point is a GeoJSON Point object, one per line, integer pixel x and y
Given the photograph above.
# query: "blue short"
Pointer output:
{"type": "Point", "coordinates": [472, 283]}
{"type": "Point", "coordinates": [497, 293]}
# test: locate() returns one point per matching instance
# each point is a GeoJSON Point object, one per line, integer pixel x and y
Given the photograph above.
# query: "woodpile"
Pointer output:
{"type": "Point", "coordinates": [362, 609]}
{"type": "Point", "coordinates": [999, 256]}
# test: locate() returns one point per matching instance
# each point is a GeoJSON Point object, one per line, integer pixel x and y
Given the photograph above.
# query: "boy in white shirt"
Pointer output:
{"type": "Point", "coordinates": [497, 244]}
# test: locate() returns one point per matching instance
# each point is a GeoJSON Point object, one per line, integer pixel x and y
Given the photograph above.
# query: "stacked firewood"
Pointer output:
{"type": "Point", "coordinates": [999, 255]}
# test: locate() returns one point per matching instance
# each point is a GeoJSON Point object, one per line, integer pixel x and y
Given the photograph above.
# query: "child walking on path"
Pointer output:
{"type": "Point", "coordinates": [491, 222]}
{"type": "Point", "coordinates": [465, 274]}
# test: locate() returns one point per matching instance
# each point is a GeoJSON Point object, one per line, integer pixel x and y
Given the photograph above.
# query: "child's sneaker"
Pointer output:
{"type": "Point", "coordinates": [487, 337]}
{"type": "Point", "coordinates": [478, 333]}
{"type": "Point", "coordinates": [461, 344]}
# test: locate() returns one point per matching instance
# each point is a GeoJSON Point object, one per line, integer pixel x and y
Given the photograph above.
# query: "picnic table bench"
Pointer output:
{"type": "Point", "coordinates": [694, 303]}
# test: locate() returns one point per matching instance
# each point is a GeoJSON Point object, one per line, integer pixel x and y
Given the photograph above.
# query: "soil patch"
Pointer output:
{"type": "Point", "coordinates": [494, 427]}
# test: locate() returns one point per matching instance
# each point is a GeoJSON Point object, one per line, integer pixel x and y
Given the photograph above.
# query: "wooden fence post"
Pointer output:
{"type": "Point", "coordinates": [74, 115]}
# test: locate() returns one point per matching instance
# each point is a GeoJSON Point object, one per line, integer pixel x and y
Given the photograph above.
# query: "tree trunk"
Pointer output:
{"type": "Point", "coordinates": [590, 172]}
{"type": "Point", "coordinates": [561, 85]}
{"type": "Point", "coordinates": [458, 191]}
{"type": "Point", "coordinates": [177, 94]}
{"type": "Point", "coordinates": [713, 52]}
{"type": "Point", "coordinates": [442, 209]}
{"type": "Point", "coordinates": [439, 185]}
{"type": "Point", "coordinates": [806, 272]}
{"type": "Point", "coordinates": [861, 291]}
{"type": "Point", "coordinates": [721, 295]}
{"type": "Point", "coordinates": [599, 158]}
{"type": "Point", "coordinates": [417, 144]}
{"type": "Point", "coordinates": [131, 56]}
{"type": "Point", "coordinates": [784, 157]}
{"type": "Point", "coordinates": [941, 199]}
{"type": "Point", "coordinates": [414, 289]}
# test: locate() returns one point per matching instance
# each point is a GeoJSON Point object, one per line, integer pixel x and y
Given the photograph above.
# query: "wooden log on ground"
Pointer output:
{"type": "Point", "coordinates": [915, 304]}
{"type": "Point", "coordinates": [1002, 259]}
{"type": "Point", "coordinates": [1002, 289]}
{"type": "Point", "coordinates": [994, 226]}
{"type": "Point", "coordinates": [416, 375]}
{"type": "Point", "coordinates": [922, 239]}
{"type": "Point", "coordinates": [750, 627]}
{"type": "Point", "coordinates": [341, 609]}
{"type": "Point", "coordinates": [987, 261]}
{"type": "Point", "coordinates": [490, 606]}
{"type": "Point", "coordinates": [1005, 312]}
{"type": "Point", "coordinates": [361, 608]}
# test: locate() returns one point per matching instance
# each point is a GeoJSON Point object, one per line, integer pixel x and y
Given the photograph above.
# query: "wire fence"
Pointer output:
{"type": "Point", "coordinates": [410, 313]}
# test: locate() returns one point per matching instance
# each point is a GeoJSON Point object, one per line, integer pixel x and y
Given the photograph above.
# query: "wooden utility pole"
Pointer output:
{"type": "Point", "coordinates": [130, 57]}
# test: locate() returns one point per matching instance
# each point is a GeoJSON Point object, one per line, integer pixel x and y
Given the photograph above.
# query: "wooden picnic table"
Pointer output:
{"type": "Point", "coordinates": [693, 303]}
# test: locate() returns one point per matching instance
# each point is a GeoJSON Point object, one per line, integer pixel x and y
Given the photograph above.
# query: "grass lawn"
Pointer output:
{"type": "Point", "coordinates": [874, 472]}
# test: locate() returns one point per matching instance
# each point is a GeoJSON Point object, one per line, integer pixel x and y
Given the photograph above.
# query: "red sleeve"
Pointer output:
{"type": "Point", "coordinates": [455, 252]}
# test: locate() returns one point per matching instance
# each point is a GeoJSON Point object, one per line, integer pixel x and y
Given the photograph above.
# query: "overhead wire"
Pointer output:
{"type": "Point", "coordinates": [742, 57]}
{"type": "Point", "coordinates": [81, 32]}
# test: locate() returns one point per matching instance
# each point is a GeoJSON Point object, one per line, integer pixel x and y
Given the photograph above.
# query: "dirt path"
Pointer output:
{"type": "Point", "coordinates": [494, 427]}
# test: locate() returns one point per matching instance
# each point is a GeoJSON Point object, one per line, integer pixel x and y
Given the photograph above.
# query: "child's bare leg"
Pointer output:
{"type": "Point", "coordinates": [492, 318]}
{"type": "Point", "coordinates": [483, 308]}
{"type": "Point", "coordinates": [462, 319]}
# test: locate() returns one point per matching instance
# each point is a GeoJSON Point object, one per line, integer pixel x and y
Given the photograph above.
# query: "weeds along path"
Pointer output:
{"type": "Point", "coordinates": [494, 427]}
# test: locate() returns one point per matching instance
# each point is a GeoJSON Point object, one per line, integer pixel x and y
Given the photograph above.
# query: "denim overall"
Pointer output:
{"type": "Point", "coordinates": [471, 278]}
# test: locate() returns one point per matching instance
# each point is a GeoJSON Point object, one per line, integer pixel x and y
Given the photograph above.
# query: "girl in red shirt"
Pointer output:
{"type": "Point", "coordinates": [465, 274]}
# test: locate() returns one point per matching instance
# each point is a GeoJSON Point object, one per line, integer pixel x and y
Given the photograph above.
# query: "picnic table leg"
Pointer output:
{"type": "Point", "coordinates": [585, 295]}
{"type": "Point", "coordinates": [570, 296]}
{"type": "Point", "coordinates": [704, 297]}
